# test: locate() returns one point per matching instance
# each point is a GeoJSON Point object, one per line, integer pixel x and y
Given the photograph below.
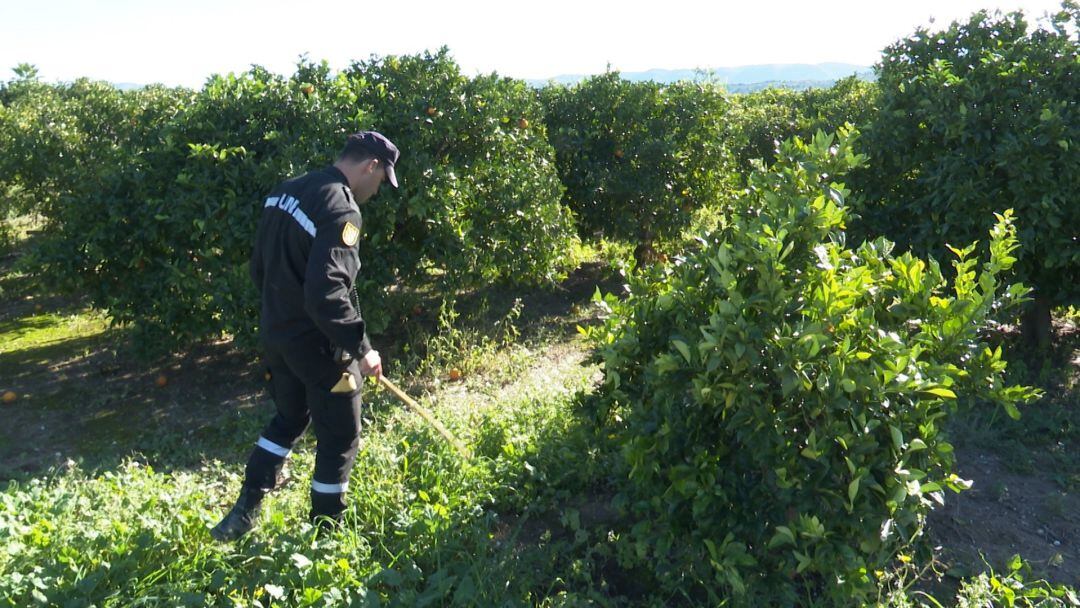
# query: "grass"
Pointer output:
{"type": "Point", "coordinates": [423, 525]}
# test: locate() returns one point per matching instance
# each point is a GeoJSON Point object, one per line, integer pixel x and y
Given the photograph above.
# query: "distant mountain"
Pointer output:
{"type": "Point", "coordinates": [744, 78]}
{"type": "Point", "coordinates": [741, 79]}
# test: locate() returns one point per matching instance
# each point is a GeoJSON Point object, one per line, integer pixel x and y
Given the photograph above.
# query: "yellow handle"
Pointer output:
{"type": "Point", "coordinates": [419, 409]}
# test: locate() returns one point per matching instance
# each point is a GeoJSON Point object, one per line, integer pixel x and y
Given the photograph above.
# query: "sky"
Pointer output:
{"type": "Point", "coordinates": [184, 42]}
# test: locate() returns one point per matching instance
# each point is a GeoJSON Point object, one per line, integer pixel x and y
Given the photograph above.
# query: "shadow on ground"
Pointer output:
{"type": "Point", "coordinates": [89, 399]}
{"type": "Point", "coordinates": [1025, 498]}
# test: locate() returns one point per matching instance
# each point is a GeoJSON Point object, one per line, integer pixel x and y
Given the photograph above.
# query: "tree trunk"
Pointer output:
{"type": "Point", "coordinates": [1036, 326]}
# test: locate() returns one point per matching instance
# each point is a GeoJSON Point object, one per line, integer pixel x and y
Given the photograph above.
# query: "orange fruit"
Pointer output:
{"type": "Point", "coordinates": [10, 397]}
{"type": "Point", "coordinates": [455, 374]}
{"type": "Point", "coordinates": [307, 89]}
{"type": "Point", "coordinates": [618, 153]}
{"type": "Point", "coordinates": [161, 381]}
{"type": "Point", "coordinates": [523, 123]}
{"type": "Point", "coordinates": [431, 110]}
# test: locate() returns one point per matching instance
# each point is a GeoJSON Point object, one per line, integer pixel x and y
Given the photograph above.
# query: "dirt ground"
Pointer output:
{"type": "Point", "coordinates": [1007, 513]}
{"type": "Point", "coordinates": [89, 398]}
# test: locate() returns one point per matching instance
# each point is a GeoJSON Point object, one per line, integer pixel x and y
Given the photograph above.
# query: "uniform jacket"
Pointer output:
{"type": "Point", "coordinates": [305, 262]}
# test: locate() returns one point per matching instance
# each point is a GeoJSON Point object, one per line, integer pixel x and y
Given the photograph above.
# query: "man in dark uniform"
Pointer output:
{"type": "Point", "coordinates": [316, 348]}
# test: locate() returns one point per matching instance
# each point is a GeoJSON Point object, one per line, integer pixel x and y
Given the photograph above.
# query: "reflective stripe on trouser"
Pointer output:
{"type": "Point", "coordinates": [335, 456]}
{"type": "Point", "coordinates": [300, 380]}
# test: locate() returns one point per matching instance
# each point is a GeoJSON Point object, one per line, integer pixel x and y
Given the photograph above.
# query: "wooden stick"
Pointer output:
{"type": "Point", "coordinates": [427, 415]}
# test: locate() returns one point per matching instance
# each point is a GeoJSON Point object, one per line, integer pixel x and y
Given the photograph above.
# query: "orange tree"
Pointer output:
{"type": "Point", "coordinates": [974, 119]}
{"type": "Point", "coordinates": [479, 196]}
{"type": "Point", "coordinates": [763, 119]}
{"type": "Point", "coordinates": [59, 137]}
{"type": "Point", "coordinates": [637, 158]}
{"type": "Point", "coordinates": [162, 240]}
{"type": "Point", "coordinates": [779, 396]}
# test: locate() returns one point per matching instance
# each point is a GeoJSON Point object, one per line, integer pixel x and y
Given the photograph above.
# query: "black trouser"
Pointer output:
{"type": "Point", "coordinates": [301, 378]}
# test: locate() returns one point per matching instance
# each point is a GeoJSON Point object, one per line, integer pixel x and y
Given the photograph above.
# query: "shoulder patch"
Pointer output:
{"type": "Point", "coordinates": [350, 234]}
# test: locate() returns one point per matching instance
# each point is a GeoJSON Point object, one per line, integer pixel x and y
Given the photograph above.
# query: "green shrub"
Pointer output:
{"type": "Point", "coordinates": [779, 394]}
{"type": "Point", "coordinates": [978, 118]}
{"type": "Point", "coordinates": [637, 158]}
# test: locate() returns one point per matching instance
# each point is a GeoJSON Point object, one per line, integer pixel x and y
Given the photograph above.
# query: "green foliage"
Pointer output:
{"type": "Point", "coordinates": [57, 138]}
{"type": "Point", "coordinates": [779, 395]}
{"type": "Point", "coordinates": [422, 528]}
{"type": "Point", "coordinates": [160, 234]}
{"type": "Point", "coordinates": [162, 239]}
{"type": "Point", "coordinates": [637, 158]}
{"type": "Point", "coordinates": [1014, 588]}
{"type": "Point", "coordinates": [479, 195]}
{"type": "Point", "coordinates": [761, 120]}
{"type": "Point", "coordinates": [978, 118]}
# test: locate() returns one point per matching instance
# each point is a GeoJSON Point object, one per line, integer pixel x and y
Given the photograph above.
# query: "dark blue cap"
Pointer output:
{"type": "Point", "coordinates": [378, 145]}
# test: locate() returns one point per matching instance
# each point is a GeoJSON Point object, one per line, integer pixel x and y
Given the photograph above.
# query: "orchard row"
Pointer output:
{"type": "Point", "coordinates": [151, 196]}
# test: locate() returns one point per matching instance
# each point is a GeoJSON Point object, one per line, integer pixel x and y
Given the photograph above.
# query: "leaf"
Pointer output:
{"type": "Point", "coordinates": [387, 576]}
{"type": "Point", "coordinates": [711, 546]}
{"type": "Point", "coordinates": [275, 591]}
{"type": "Point", "coordinates": [939, 391]}
{"type": "Point", "coordinates": [682, 348]}
{"type": "Point", "coordinates": [886, 529]}
{"type": "Point", "coordinates": [848, 385]}
{"type": "Point", "coordinates": [853, 489]}
{"type": "Point", "coordinates": [302, 562]}
{"type": "Point", "coordinates": [1015, 563]}
{"type": "Point", "coordinates": [1011, 410]}
{"type": "Point", "coordinates": [803, 559]}
{"type": "Point", "coordinates": [466, 592]}
{"type": "Point", "coordinates": [783, 536]}
{"type": "Point", "coordinates": [897, 437]}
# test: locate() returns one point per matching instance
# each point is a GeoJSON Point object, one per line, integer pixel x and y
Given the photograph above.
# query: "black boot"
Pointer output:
{"type": "Point", "coordinates": [241, 518]}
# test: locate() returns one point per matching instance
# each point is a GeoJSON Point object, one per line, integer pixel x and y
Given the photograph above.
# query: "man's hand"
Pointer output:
{"type": "Point", "coordinates": [371, 364]}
